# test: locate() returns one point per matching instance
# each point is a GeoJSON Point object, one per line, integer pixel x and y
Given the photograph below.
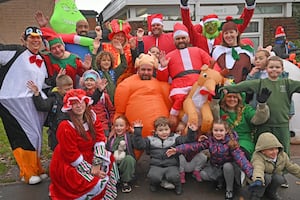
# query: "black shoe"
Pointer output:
{"type": "Point", "coordinates": [228, 195]}
{"type": "Point", "coordinates": [219, 186]}
{"type": "Point", "coordinates": [125, 187]}
{"type": "Point", "coordinates": [153, 188]}
{"type": "Point", "coordinates": [178, 189]}
{"type": "Point", "coordinates": [274, 196]}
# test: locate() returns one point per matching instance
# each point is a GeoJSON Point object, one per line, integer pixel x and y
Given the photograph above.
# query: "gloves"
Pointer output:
{"type": "Point", "coordinates": [256, 183]}
{"type": "Point", "coordinates": [184, 2]}
{"type": "Point", "coordinates": [217, 92]}
{"type": "Point", "coordinates": [249, 2]}
{"type": "Point", "coordinates": [264, 95]}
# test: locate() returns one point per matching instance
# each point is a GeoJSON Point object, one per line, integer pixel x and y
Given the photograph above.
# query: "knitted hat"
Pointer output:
{"type": "Point", "coordinates": [75, 95]}
{"type": "Point", "coordinates": [231, 24]}
{"type": "Point", "coordinates": [180, 30]}
{"type": "Point", "coordinates": [51, 36]}
{"type": "Point", "coordinates": [146, 59]}
{"type": "Point", "coordinates": [210, 18]}
{"type": "Point", "coordinates": [279, 32]}
{"type": "Point", "coordinates": [91, 74]}
{"type": "Point", "coordinates": [117, 26]}
{"type": "Point", "coordinates": [32, 30]}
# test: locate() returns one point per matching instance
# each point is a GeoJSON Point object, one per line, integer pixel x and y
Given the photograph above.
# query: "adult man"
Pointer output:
{"type": "Point", "coordinates": [183, 66]}
{"type": "Point", "coordinates": [142, 97]}
{"type": "Point", "coordinates": [22, 122]}
{"type": "Point", "coordinates": [208, 34]}
{"type": "Point", "coordinates": [164, 41]}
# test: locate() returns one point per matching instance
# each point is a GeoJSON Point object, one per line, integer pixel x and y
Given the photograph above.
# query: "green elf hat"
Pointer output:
{"type": "Point", "coordinates": [51, 36]}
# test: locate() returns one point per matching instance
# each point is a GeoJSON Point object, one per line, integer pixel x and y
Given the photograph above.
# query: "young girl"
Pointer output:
{"type": "Point", "coordinates": [225, 156]}
{"type": "Point", "coordinates": [126, 164]}
{"type": "Point", "coordinates": [104, 108]}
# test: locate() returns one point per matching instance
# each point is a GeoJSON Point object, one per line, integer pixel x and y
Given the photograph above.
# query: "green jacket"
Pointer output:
{"type": "Point", "coordinates": [263, 164]}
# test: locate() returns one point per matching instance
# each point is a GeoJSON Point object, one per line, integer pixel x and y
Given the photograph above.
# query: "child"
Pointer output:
{"type": "Point", "coordinates": [259, 72]}
{"type": "Point", "coordinates": [52, 105]}
{"type": "Point", "coordinates": [104, 108]}
{"type": "Point", "coordinates": [279, 101]}
{"type": "Point", "coordinates": [269, 163]}
{"type": "Point", "coordinates": [162, 168]}
{"type": "Point", "coordinates": [104, 66]}
{"type": "Point", "coordinates": [126, 164]}
{"type": "Point", "coordinates": [225, 154]}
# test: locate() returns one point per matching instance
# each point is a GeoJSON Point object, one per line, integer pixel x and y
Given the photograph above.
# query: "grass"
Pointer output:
{"type": "Point", "coordinates": [7, 160]}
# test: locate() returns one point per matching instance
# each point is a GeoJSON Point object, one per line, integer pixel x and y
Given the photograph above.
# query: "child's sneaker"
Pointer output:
{"type": "Point", "coordinates": [167, 185]}
{"type": "Point", "coordinates": [125, 187]}
{"type": "Point", "coordinates": [182, 177]}
{"type": "Point", "coordinates": [197, 176]}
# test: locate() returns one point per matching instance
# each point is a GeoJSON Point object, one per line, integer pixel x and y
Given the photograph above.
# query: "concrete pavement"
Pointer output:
{"type": "Point", "coordinates": [192, 189]}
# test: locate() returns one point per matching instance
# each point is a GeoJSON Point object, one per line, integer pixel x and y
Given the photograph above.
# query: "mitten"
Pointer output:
{"type": "Point", "coordinates": [217, 92]}
{"type": "Point", "coordinates": [184, 2]}
{"type": "Point", "coordinates": [264, 95]}
{"type": "Point", "coordinates": [250, 2]}
{"type": "Point", "coordinates": [256, 183]}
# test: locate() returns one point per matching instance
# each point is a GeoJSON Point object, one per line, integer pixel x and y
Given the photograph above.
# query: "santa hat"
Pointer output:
{"type": "Point", "coordinates": [146, 59]}
{"type": "Point", "coordinates": [51, 36]}
{"type": "Point", "coordinates": [210, 18]}
{"type": "Point", "coordinates": [75, 95]}
{"type": "Point", "coordinates": [180, 30]}
{"type": "Point", "coordinates": [231, 24]}
{"type": "Point", "coordinates": [117, 26]}
{"type": "Point", "coordinates": [279, 32]}
{"type": "Point", "coordinates": [154, 19]}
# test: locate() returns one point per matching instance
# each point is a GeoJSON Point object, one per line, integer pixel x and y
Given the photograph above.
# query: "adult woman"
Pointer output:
{"type": "Point", "coordinates": [242, 117]}
{"type": "Point", "coordinates": [81, 168]}
{"type": "Point", "coordinates": [231, 54]}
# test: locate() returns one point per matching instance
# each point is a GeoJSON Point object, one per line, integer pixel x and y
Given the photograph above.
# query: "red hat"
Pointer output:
{"type": "Point", "coordinates": [77, 95]}
{"type": "Point", "coordinates": [154, 19]}
{"type": "Point", "coordinates": [117, 26]}
{"type": "Point", "coordinates": [210, 18]}
{"type": "Point", "coordinates": [51, 36]}
{"type": "Point", "coordinates": [180, 30]}
{"type": "Point", "coordinates": [247, 41]}
{"type": "Point", "coordinates": [279, 32]}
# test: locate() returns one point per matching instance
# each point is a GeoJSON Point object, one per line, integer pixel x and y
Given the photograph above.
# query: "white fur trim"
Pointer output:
{"type": "Point", "coordinates": [77, 161]}
{"type": "Point", "coordinates": [210, 20]}
{"type": "Point", "coordinates": [157, 21]}
{"type": "Point", "coordinates": [174, 112]}
{"type": "Point", "coordinates": [180, 33]}
{"type": "Point", "coordinates": [186, 59]}
{"type": "Point", "coordinates": [184, 90]}
{"type": "Point", "coordinates": [250, 7]}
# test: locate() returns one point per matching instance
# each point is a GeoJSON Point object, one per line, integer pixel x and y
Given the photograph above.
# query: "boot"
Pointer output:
{"type": "Point", "coordinates": [178, 189]}
{"type": "Point", "coordinates": [182, 177]}
{"type": "Point", "coordinates": [228, 195]}
{"type": "Point", "coordinates": [197, 176]}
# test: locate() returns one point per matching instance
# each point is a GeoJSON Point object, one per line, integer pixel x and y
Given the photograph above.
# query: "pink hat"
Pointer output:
{"type": "Point", "coordinates": [210, 18]}
{"type": "Point", "coordinates": [77, 95]}
{"type": "Point", "coordinates": [180, 30]}
{"type": "Point", "coordinates": [117, 26]}
{"type": "Point", "coordinates": [279, 32]}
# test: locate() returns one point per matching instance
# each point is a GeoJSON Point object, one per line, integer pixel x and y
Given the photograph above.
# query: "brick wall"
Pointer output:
{"type": "Point", "coordinates": [290, 26]}
{"type": "Point", "coordinates": [16, 15]}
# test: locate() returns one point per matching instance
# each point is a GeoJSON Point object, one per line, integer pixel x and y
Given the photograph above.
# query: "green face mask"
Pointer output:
{"type": "Point", "coordinates": [211, 29]}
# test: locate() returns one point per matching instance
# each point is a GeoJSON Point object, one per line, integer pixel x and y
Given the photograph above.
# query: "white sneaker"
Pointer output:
{"type": "Point", "coordinates": [43, 176]}
{"type": "Point", "coordinates": [34, 180]}
{"type": "Point", "coordinates": [167, 185]}
{"type": "Point", "coordinates": [23, 179]}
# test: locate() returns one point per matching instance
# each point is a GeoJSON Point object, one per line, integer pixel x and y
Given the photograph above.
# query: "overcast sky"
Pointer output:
{"type": "Point", "coordinates": [96, 5]}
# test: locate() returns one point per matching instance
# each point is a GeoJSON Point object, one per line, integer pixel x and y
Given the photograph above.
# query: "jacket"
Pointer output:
{"type": "Point", "coordinates": [263, 164]}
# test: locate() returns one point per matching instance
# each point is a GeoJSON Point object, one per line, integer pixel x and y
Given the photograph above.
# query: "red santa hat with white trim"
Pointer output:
{"type": "Point", "coordinates": [180, 30]}
{"type": "Point", "coordinates": [279, 32]}
{"type": "Point", "coordinates": [154, 19]}
{"type": "Point", "coordinates": [210, 18]}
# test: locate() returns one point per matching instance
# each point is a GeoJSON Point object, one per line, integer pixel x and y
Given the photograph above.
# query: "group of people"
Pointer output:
{"type": "Point", "coordinates": [130, 98]}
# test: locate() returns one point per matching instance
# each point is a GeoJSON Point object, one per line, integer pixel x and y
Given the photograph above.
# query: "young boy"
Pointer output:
{"type": "Point", "coordinates": [269, 162]}
{"type": "Point", "coordinates": [52, 105]}
{"type": "Point", "coordinates": [162, 168]}
{"type": "Point", "coordinates": [279, 101]}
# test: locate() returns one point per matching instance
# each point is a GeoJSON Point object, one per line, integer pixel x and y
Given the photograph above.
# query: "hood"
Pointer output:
{"type": "Point", "coordinates": [266, 141]}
